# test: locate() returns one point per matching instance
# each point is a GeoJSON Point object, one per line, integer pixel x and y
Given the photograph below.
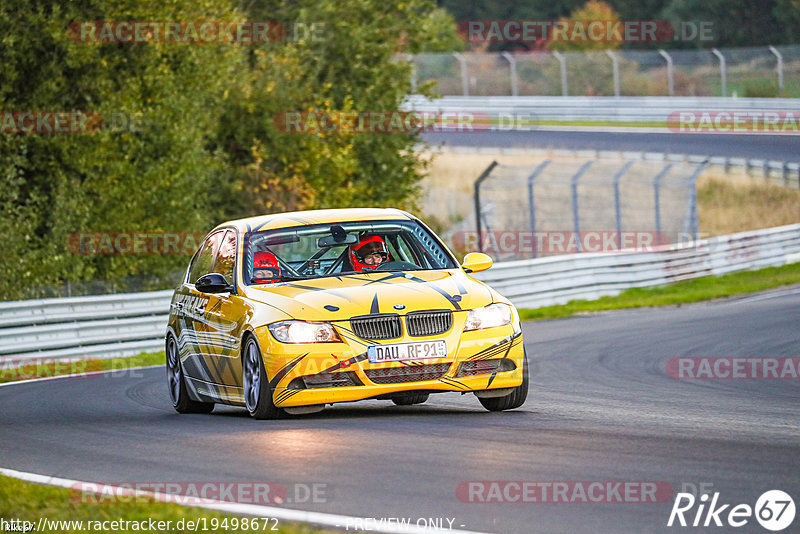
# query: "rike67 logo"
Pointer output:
{"type": "Point", "coordinates": [774, 510]}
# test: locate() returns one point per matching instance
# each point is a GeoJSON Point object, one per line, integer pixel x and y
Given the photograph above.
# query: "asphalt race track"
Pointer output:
{"type": "Point", "coordinates": [782, 147]}
{"type": "Point", "coordinates": [601, 409]}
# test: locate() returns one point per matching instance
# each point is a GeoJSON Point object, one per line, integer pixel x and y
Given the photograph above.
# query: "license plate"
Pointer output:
{"type": "Point", "coordinates": [397, 352]}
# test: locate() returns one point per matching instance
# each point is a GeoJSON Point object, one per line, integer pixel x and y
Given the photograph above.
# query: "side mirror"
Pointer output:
{"type": "Point", "coordinates": [475, 262]}
{"type": "Point", "coordinates": [213, 283]}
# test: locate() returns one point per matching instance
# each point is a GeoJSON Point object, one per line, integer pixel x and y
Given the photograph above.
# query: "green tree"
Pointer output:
{"type": "Point", "coordinates": [150, 171]}
{"type": "Point", "coordinates": [351, 63]}
{"type": "Point", "coordinates": [190, 135]}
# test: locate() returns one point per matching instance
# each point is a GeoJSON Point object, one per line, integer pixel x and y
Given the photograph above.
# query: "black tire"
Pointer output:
{"type": "Point", "coordinates": [515, 399]}
{"type": "Point", "coordinates": [177, 387]}
{"type": "Point", "coordinates": [408, 400]}
{"type": "Point", "coordinates": [257, 392]}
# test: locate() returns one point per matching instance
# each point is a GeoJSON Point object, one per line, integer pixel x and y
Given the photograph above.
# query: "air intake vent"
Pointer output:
{"type": "Point", "coordinates": [429, 323]}
{"type": "Point", "coordinates": [412, 373]}
{"type": "Point", "coordinates": [325, 380]}
{"type": "Point", "coordinates": [485, 367]}
{"type": "Point", "coordinates": [377, 326]}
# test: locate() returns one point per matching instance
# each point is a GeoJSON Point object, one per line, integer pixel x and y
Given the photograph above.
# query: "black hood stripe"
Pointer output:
{"type": "Point", "coordinates": [285, 370]}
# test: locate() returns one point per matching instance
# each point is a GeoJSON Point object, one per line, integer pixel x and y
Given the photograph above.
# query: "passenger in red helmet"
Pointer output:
{"type": "Point", "coordinates": [368, 253]}
{"type": "Point", "coordinates": [265, 268]}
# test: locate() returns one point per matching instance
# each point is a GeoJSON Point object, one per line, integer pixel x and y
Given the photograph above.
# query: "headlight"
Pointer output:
{"type": "Point", "coordinates": [489, 316]}
{"type": "Point", "coordinates": [304, 332]}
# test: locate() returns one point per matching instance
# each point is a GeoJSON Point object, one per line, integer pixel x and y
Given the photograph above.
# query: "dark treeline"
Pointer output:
{"type": "Point", "coordinates": [735, 23]}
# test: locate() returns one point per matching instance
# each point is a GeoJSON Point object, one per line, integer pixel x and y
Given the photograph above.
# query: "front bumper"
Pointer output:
{"type": "Point", "coordinates": [298, 375]}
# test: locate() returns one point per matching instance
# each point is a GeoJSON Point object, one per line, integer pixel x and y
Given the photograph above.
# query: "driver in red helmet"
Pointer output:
{"type": "Point", "coordinates": [368, 253]}
{"type": "Point", "coordinates": [265, 268]}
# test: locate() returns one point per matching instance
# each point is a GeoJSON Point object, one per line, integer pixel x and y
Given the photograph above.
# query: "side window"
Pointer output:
{"type": "Point", "coordinates": [205, 258]}
{"type": "Point", "coordinates": [226, 256]}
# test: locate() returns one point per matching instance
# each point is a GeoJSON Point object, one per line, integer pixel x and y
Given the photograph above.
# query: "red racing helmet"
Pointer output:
{"type": "Point", "coordinates": [265, 267]}
{"type": "Point", "coordinates": [367, 246]}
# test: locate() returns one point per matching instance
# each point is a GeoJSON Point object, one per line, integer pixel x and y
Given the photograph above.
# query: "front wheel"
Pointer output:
{"type": "Point", "coordinates": [257, 392]}
{"type": "Point", "coordinates": [177, 386]}
{"type": "Point", "coordinates": [516, 398]}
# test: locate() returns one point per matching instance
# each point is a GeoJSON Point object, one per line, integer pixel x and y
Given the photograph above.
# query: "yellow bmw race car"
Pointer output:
{"type": "Point", "coordinates": [287, 313]}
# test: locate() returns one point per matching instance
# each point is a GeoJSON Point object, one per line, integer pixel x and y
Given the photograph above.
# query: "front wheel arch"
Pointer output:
{"type": "Point", "coordinates": [256, 388]}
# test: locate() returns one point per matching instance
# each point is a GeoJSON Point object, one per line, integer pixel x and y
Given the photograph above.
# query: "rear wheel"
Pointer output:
{"type": "Point", "coordinates": [177, 386]}
{"type": "Point", "coordinates": [515, 399]}
{"type": "Point", "coordinates": [408, 400]}
{"type": "Point", "coordinates": [257, 392]}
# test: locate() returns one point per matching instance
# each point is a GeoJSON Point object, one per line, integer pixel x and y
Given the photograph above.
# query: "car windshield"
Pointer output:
{"type": "Point", "coordinates": [344, 247]}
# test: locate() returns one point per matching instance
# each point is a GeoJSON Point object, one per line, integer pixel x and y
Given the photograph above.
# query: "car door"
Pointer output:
{"type": "Point", "coordinates": [224, 320]}
{"type": "Point", "coordinates": [191, 307]}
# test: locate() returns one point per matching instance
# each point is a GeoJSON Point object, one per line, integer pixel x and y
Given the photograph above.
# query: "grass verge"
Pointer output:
{"type": "Point", "coordinates": [46, 367]}
{"type": "Point", "coordinates": [26, 501]}
{"type": "Point", "coordinates": [684, 292]}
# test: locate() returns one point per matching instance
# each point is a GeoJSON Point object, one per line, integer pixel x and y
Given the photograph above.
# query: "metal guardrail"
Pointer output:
{"type": "Point", "coordinates": [99, 326]}
{"type": "Point", "coordinates": [559, 279]}
{"type": "Point", "coordinates": [533, 109]}
{"type": "Point", "coordinates": [125, 324]}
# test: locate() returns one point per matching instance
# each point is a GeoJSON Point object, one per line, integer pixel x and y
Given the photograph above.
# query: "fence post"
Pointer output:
{"type": "Point", "coordinates": [691, 219]}
{"type": "Point", "coordinates": [464, 73]}
{"type": "Point", "coordinates": [512, 63]}
{"type": "Point", "coordinates": [670, 73]}
{"type": "Point", "coordinates": [617, 208]}
{"type": "Point", "coordinates": [575, 215]}
{"type": "Point", "coordinates": [779, 68]}
{"type": "Point", "coordinates": [477, 196]}
{"type": "Point", "coordinates": [413, 80]}
{"type": "Point", "coordinates": [562, 60]}
{"type": "Point", "coordinates": [722, 71]}
{"type": "Point", "coordinates": [614, 70]}
{"type": "Point", "coordinates": [657, 194]}
{"type": "Point", "coordinates": [531, 205]}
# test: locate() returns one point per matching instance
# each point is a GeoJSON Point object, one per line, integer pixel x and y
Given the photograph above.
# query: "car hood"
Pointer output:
{"type": "Point", "coordinates": [337, 298]}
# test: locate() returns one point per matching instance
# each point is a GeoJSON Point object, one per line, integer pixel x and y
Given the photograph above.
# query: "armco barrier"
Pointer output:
{"type": "Point", "coordinates": [98, 326]}
{"type": "Point", "coordinates": [559, 279]}
{"type": "Point", "coordinates": [124, 324]}
{"type": "Point", "coordinates": [651, 109]}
